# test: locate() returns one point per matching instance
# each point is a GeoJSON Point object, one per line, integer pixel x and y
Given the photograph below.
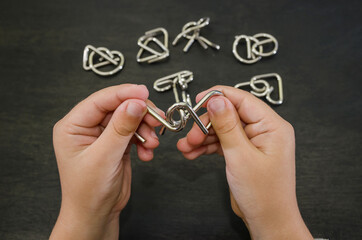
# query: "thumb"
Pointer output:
{"type": "Point", "coordinates": [116, 136]}
{"type": "Point", "coordinates": [227, 125]}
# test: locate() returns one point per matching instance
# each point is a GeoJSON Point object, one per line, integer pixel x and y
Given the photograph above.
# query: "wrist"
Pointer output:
{"type": "Point", "coordinates": [85, 224]}
{"type": "Point", "coordinates": [286, 224]}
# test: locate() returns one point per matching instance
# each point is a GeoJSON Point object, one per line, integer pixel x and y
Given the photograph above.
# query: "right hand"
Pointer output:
{"type": "Point", "coordinates": [259, 150]}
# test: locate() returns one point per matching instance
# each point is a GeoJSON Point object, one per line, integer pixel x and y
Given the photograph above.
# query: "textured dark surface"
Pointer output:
{"type": "Point", "coordinates": [41, 78]}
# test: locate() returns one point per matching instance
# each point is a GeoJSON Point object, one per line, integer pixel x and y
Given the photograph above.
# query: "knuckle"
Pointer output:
{"type": "Point", "coordinates": [226, 126]}
{"type": "Point", "coordinates": [220, 87]}
{"type": "Point", "coordinates": [123, 130]}
{"type": "Point", "coordinates": [289, 127]}
{"type": "Point", "coordinates": [57, 127]}
{"type": "Point", "coordinates": [287, 132]}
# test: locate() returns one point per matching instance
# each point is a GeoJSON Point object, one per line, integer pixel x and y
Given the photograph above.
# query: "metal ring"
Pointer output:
{"type": "Point", "coordinates": [258, 92]}
{"type": "Point", "coordinates": [181, 107]}
{"type": "Point", "coordinates": [252, 58]}
{"type": "Point", "coordinates": [280, 86]}
{"type": "Point", "coordinates": [269, 39]}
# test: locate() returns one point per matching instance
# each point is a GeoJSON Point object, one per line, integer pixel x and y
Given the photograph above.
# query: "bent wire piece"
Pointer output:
{"type": "Point", "coordinates": [191, 31]}
{"type": "Point", "coordinates": [177, 126]}
{"type": "Point", "coordinates": [107, 57]}
{"type": "Point", "coordinates": [266, 90]}
{"type": "Point", "coordinates": [150, 36]}
{"type": "Point", "coordinates": [181, 79]}
{"type": "Point", "coordinates": [255, 51]}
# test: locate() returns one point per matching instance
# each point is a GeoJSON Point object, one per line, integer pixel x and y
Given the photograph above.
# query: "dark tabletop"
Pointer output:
{"type": "Point", "coordinates": [41, 79]}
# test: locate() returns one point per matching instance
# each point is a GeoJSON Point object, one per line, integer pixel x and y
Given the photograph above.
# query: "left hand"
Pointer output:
{"type": "Point", "coordinates": [92, 146]}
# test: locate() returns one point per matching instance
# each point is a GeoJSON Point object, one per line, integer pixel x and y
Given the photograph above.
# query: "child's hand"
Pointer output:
{"type": "Point", "coordinates": [92, 147]}
{"type": "Point", "coordinates": [259, 150]}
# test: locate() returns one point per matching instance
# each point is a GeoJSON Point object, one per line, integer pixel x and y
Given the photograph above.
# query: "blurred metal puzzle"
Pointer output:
{"type": "Point", "coordinates": [255, 51]}
{"type": "Point", "coordinates": [266, 89]}
{"type": "Point", "coordinates": [180, 79]}
{"type": "Point", "coordinates": [150, 36]}
{"type": "Point", "coordinates": [191, 31]}
{"type": "Point", "coordinates": [106, 57]}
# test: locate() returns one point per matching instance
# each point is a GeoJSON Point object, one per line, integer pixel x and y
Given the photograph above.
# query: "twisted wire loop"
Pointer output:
{"type": "Point", "coordinates": [150, 36]}
{"type": "Point", "coordinates": [254, 47]}
{"type": "Point", "coordinates": [266, 89]}
{"type": "Point", "coordinates": [106, 57]}
{"type": "Point", "coordinates": [182, 107]}
{"type": "Point", "coordinates": [191, 31]}
{"type": "Point", "coordinates": [180, 79]}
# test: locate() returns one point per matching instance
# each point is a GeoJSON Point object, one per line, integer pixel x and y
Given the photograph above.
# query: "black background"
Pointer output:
{"type": "Point", "coordinates": [41, 78]}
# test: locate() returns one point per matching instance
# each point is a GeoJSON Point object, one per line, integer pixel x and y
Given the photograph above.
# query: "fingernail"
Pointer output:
{"type": "Point", "coordinates": [216, 105]}
{"type": "Point", "coordinates": [134, 109]}
{"type": "Point", "coordinates": [154, 135]}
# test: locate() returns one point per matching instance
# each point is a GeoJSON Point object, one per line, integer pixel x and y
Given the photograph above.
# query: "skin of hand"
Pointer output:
{"type": "Point", "coordinates": [92, 146]}
{"type": "Point", "coordinates": [259, 151]}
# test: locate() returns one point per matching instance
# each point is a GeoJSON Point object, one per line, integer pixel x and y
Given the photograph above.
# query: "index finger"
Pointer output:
{"type": "Point", "coordinates": [91, 111]}
{"type": "Point", "coordinates": [250, 109]}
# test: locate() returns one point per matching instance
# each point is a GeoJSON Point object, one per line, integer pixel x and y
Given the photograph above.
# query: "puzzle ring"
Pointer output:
{"type": "Point", "coordinates": [107, 57]}
{"type": "Point", "coordinates": [269, 39]}
{"type": "Point", "coordinates": [254, 80]}
{"type": "Point", "coordinates": [251, 58]}
{"type": "Point", "coordinates": [258, 92]}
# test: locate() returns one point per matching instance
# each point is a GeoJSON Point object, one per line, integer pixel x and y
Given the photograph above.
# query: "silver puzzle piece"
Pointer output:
{"type": "Point", "coordinates": [177, 126]}
{"type": "Point", "coordinates": [254, 47]}
{"type": "Point", "coordinates": [106, 57]}
{"type": "Point", "coordinates": [150, 36]}
{"type": "Point", "coordinates": [191, 31]}
{"type": "Point", "coordinates": [181, 108]}
{"type": "Point", "coordinates": [180, 79]}
{"type": "Point", "coordinates": [266, 90]}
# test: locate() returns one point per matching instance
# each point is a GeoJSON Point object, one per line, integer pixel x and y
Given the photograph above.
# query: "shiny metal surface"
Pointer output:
{"type": "Point", "coordinates": [150, 36]}
{"type": "Point", "coordinates": [191, 113]}
{"type": "Point", "coordinates": [180, 79]}
{"type": "Point", "coordinates": [191, 31]}
{"type": "Point", "coordinates": [181, 108]}
{"type": "Point", "coordinates": [107, 57]}
{"type": "Point", "coordinates": [254, 47]}
{"type": "Point", "coordinates": [267, 89]}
